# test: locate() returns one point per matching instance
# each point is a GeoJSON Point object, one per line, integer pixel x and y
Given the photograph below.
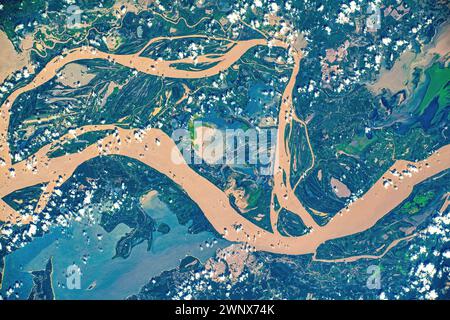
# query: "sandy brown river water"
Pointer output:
{"type": "Point", "coordinates": [156, 149]}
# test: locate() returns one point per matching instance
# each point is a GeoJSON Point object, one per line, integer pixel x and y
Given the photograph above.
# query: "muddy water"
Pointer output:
{"type": "Point", "coordinates": [361, 215]}
{"type": "Point", "coordinates": [13, 61]}
{"type": "Point", "coordinates": [341, 190]}
{"type": "Point", "coordinates": [399, 76]}
{"type": "Point", "coordinates": [154, 148]}
{"type": "Point", "coordinates": [159, 68]}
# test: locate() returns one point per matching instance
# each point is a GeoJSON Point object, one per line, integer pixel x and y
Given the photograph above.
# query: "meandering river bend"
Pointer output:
{"type": "Point", "coordinates": [157, 150]}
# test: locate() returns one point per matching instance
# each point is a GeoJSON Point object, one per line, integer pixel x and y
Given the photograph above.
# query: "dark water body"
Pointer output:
{"type": "Point", "coordinates": [427, 117]}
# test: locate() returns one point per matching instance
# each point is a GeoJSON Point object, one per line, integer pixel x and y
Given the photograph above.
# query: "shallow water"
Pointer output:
{"type": "Point", "coordinates": [113, 278]}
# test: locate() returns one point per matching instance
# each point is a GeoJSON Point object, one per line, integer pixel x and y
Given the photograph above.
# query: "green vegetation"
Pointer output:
{"type": "Point", "coordinates": [14, 14]}
{"type": "Point", "coordinates": [437, 87]}
{"type": "Point", "coordinates": [357, 146]}
{"type": "Point", "coordinates": [191, 126]}
{"type": "Point", "coordinates": [23, 198]}
{"type": "Point", "coordinates": [42, 283]}
{"type": "Point", "coordinates": [253, 198]}
{"type": "Point", "coordinates": [2, 266]}
{"type": "Point", "coordinates": [420, 201]}
{"type": "Point", "coordinates": [164, 228]}
{"type": "Point", "coordinates": [290, 224]}
{"type": "Point", "coordinates": [189, 263]}
{"type": "Point", "coordinates": [78, 144]}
